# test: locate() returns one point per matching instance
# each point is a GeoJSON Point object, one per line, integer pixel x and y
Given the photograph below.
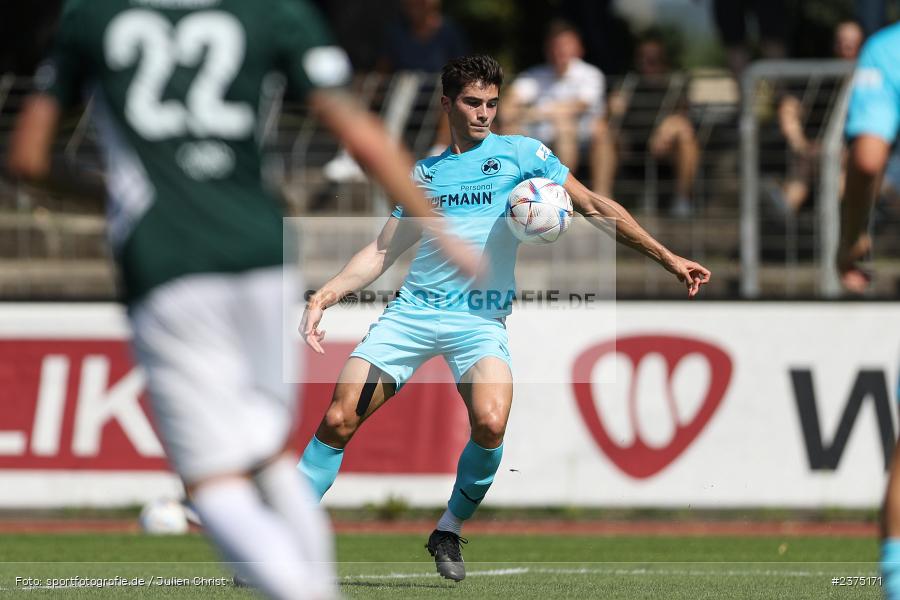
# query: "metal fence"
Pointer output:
{"type": "Point", "coordinates": [801, 243]}
{"type": "Point", "coordinates": [51, 247]}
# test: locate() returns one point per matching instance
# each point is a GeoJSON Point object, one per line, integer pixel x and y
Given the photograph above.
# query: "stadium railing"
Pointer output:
{"type": "Point", "coordinates": [803, 242]}
{"type": "Point", "coordinates": [52, 246]}
{"type": "Point", "coordinates": [711, 234]}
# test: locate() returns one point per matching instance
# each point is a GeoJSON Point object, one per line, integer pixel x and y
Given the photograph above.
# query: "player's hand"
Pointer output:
{"type": "Point", "coordinates": [690, 273]}
{"type": "Point", "coordinates": [850, 253]}
{"type": "Point", "coordinates": [309, 327]}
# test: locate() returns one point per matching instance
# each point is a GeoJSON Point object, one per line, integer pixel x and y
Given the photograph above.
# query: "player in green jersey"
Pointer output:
{"type": "Point", "coordinates": [176, 87]}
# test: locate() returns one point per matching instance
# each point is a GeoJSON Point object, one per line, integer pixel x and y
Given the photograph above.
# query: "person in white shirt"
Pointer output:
{"type": "Point", "coordinates": [562, 102]}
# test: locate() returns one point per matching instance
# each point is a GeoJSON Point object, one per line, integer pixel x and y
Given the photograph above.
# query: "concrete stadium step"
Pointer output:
{"type": "Point", "coordinates": [60, 280]}
{"type": "Point", "coordinates": [57, 280]}
{"type": "Point", "coordinates": [42, 234]}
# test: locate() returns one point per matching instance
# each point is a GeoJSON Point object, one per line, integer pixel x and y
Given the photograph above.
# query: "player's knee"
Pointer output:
{"type": "Point", "coordinates": [339, 423]}
{"type": "Point", "coordinates": [488, 430]}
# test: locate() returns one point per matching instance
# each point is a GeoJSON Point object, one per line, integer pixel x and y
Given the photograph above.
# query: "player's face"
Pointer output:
{"type": "Point", "coordinates": [472, 111]}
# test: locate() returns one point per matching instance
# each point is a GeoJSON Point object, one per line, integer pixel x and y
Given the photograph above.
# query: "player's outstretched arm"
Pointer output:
{"type": "Point", "coordinates": [366, 266]}
{"type": "Point", "coordinates": [868, 156]}
{"type": "Point", "coordinates": [390, 164]}
{"type": "Point", "coordinates": [610, 216]}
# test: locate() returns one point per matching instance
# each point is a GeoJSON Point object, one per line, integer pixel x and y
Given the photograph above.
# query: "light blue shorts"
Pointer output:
{"type": "Point", "coordinates": [406, 336]}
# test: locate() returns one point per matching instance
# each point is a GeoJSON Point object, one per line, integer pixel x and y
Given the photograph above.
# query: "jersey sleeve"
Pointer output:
{"type": "Point", "coordinates": [874, 99]}
{"type": "Point", "coordinates": [537, 160]}
{"type": "Point", "coordinates": [307, 54]}
{"type": "Point", "coordinates": [418, 176]}
{"type": "Point", "coordinates": [63, 73]}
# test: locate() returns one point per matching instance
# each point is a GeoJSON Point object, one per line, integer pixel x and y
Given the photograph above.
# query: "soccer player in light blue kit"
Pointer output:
{"type": "Point", "coordinates": [873, 122]}
{"type": "Point", "coordinates": [440, 312]}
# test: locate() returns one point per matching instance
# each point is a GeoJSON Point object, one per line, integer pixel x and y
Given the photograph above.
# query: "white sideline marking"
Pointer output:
{"type": "Point", "coordinates": [618, 571]}
{"type": "Point", "coordinates": [488, 573]}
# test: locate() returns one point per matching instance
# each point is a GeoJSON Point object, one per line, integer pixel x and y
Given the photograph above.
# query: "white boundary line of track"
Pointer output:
{"type": "Point", "coordinates": [642, 571]}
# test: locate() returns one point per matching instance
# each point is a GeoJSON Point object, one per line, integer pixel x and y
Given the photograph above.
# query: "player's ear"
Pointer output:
{"type": "Point", "coordinates": [446, 102]}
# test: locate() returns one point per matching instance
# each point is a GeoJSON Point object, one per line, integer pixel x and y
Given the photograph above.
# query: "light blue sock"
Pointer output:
{"type": "Point", "coordinates": [320, 464]}
{"type": "Point", "coordinates": [474, 475]}
{"type": "Point", "coordinates": [890, 568]}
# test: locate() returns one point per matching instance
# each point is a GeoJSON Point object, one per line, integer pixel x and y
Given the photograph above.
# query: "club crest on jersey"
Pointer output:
{"type": "Point", "coordinates": [491, 166]}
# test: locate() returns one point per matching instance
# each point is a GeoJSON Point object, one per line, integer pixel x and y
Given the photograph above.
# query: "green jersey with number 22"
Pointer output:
{"type": "Point", "coordinates": [177, 87]}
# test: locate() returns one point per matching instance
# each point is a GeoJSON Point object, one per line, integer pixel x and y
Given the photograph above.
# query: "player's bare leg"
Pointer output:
{"type": "Point", "coordinates": [361, 389]}
{"type": "Point", "coordinates": [486, 389]}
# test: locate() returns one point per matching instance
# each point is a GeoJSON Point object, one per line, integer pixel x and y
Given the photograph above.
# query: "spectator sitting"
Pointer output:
{"type": "Point", "coordinates": [422, 39]}
{"type": "Point", "coordinates": [648, 118]}
{"type": "Point", "coordinates": [848, 39]}
{"type": "Point", "coordinates": [789, 197]}
{"type": "Point", "coordinates": [561, 102]}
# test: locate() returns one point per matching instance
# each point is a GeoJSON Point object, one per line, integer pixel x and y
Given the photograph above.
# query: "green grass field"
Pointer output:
{"type": "Point", "coordinates": [499, 566]}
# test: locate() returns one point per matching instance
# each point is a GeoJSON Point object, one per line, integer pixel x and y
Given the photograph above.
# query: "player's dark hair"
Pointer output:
{"type": "Point", "coordinates": [476, 68]}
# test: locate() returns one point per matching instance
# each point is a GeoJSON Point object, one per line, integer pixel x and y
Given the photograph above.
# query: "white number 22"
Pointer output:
{"type": "Point", "coordinates": [146, 36]}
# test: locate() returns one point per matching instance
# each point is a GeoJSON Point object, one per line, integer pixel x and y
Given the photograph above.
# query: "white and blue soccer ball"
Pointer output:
{"type": "Point", "coordinates": [163, 517]}
{"type": "Point", "coordinates": [538, 211]}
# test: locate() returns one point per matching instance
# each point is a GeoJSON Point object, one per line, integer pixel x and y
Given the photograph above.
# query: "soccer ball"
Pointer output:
{"type": "Point", "coordinates": [163, 517]}
{"type": "Point", "coordinates": [538, 211]}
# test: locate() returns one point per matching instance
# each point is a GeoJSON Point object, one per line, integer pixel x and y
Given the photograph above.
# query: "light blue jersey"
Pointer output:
{"type": "Point", "coordinates": [470, 190]}
{"type": "Point", "coordinates": [439, 311]}
{"type": "Point", "coordinates": [875, 98]}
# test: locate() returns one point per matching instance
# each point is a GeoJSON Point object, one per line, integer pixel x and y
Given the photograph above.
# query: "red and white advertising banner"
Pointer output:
{"type": "Point", "coordinates": [667, 404]}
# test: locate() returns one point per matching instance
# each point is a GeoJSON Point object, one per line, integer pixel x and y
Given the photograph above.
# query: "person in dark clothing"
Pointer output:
{"type": "Point", "coordinates": [423, 39]}
{"type": "Point", "coordinates": [731, 21]}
